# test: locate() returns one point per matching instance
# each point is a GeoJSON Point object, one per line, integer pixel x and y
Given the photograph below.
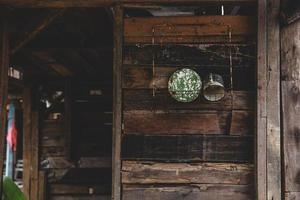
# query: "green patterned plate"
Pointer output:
{"type": "Point", "coordinates": [185, 85]}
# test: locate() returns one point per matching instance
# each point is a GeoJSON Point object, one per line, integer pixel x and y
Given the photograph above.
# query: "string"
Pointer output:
{"type": "Point", "coordinates": [153, 62]}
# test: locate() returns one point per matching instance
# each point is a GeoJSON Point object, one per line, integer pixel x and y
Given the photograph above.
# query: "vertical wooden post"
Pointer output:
{"type": "Point", "coordinates": [4, 62]}
{"type": "Point", "coordinates": [34, 175]}
{"type": "Point", "coordinates": [268, 152]}
{"type": "Point", "coordinates": [117, 102]}
{"type": "Point", "coordinates": [261, 117]}
{"type": "Point", "coordinates": [273, 102]}
{"type": "Point", "coordinates": [27, 102]}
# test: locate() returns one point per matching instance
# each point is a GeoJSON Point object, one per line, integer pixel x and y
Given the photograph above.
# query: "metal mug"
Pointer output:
{"type": "Point", "coordinates": [213, 87]}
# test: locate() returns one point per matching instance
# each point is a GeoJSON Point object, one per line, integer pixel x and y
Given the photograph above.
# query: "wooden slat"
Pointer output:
{"type": "Point", "coordinates": [188, 192]}
{"type": "Point", "coordinates": [273, 102]}
{"type": "Point", "coordinates": [144, 78]}
{"type": "Point", "coordinates": [34, 176]}
{"type": "Point", "coordinates": [4, 63]}
{"type": "Point", "coordinates": [290, 87]}
{"type": "Point", "coordinates": [202, 29]}
{"type": "Point", "coordinates": [205, 122]}
{"type": "Point", "coordinates": [207, 56]}
{"type": "Point", "coordinates": [97, 3]}
{"type": "Point", "coordinates": [27, 105]}
{"type": "Point", "coordinates": [183, 173]}
{"type": "Point", "coordinates": [64, 189]}
{"type": "Point", "coordinates": [117, 102]}
{"type": "Point", "coordinates": [144, 100]}
{"type": "Point", "coordinates": [187, 148]}
{"type": "Point", "coordinates": [42, 185]}
{"type": "Point", "coordinates": [261, 117]}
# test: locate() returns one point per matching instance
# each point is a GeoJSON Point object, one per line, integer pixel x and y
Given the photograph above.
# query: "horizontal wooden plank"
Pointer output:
{"type": "Point", "coordinates": [188, 148]}
{"type": "Point", "coordinates": [183, 122]}
{"type": "Point", "coordinates": [144, 78]}
{"type": "Point", "coordinates": [65, 189]}
{"type": "Point", "coordinates": [191, 29]}
{"type": "Point", "coordinates": [143, 99]}
{"type": "Point", "coordinates": [184, 173]}
{"type": "Point", "coordinates": [80, 197]}
{"type": "Point", "coordinates": [97, 3]}
{"type": "Point", "coordinates": [189, 192]}
{"type": "Point", "coordinates": [94, 162]}
{"type": "Point", "coordinates": [207, 56]}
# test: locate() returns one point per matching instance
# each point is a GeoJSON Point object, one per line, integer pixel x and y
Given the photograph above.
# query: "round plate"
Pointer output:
{"type": "Point", "coordinates": [185, 85]}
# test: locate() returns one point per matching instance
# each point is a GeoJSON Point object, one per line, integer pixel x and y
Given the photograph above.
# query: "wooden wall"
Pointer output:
{"type": "Point", "coordinates": [76, 148]}
{"type": "Point", "coordinates": [290, 84]}
{"type": "Point", "coordinates": [197, 150]}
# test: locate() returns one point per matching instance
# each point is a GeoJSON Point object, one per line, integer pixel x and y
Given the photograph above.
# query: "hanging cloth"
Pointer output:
{"type": "Point", "coordinates": [11, 128]}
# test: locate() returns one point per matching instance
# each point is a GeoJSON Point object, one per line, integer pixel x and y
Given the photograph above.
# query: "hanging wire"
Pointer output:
{"type": "Point", "coordinates": [230, 65]}
{"type": "Point", "coordinates": [153, 62]}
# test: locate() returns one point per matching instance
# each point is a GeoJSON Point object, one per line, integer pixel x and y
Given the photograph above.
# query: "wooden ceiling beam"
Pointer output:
{"type": "Point", "coordinates": [97, 3]}
{"type": "Point", "coordinates": [40, 27]}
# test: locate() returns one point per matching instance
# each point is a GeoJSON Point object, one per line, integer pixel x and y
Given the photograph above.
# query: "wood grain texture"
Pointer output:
{"type": "Point", "coordinates": [143, 99]}
{"type": "Point", "coordinates": [4, 64]}
{"type": "Point", "coordinates": [97, 3]}
{"type": "Point", "coordinates": [185, 123]}
{"type": "Point", "coordinates": [206, 56]}
{"type": "Point", "coordinates": [290, 87]}
{"type": "Point", "coordinates": [261, 113]}
{"type": "Point", "coordinates": [183, 173]}
{"type": "Point", "coordinates": [27, 113]}
{"type": "Point", "coordinates": [203, 29]}
{"type": "Point", "coordinates": [188, 192]}
{"type": "Point", "coordinates": [117, 102]}
{"type": "Point", "coordinates": [273, 103]}
{"type": "Point", "coordinates": [188, 148]}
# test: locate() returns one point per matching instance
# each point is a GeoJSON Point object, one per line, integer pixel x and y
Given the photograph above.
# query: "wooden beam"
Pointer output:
{"type": "Point", "coordinates": [97, 3]}
{"type": "Point", "coordinates": [4, 62]}
{"type": "Point", "coordinates": [273, 102]}
{"type": "Point", "coordinates": [261, 117]}
{"type": "Point", "coordinates": [117, 102]}
{"type": "Point", "coordinates": [268, 140]}
{"type": "Point", "coordinates": [191, 29]}
{"type": "Point", "coordinates": [27, 104]}
{"type": "Point", "coordinates": [44, 24]}
{"type": "Point", "coordinates": [34, 177]}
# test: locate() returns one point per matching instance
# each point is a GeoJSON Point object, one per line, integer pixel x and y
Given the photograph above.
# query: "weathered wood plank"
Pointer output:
{"type": "Point", "coordinates": [42, 186]}
{"type": "Point", "coordinates": [205, 122]}
{"type": "Point", "coordinates": [64, 189]}
{"type": "Point", "coordinates": [273, 102]}
{"type": "Point", "coordinates": [143, 77]}
{"type": "Point", "coordinates": [261, 116]}
{"type": "Point", "coordinates": [187, 148]}
{"type": "Point", "coordinates": [97, 3]}
{"type": "Point", "coordinates": [34, 176]}
{"type": "Point", "coordinates": [207, 56]}
{"type": "Point", "coordinates": [117, 102]}
{"type": "Point", "coordinates": [190, 29]}
{"type": "Point", "coordinates": [143, 99]}
{"type": "Point", "coordinates": [4, 64]}
{"type": "Point", "coordinates": [188, 192]}
{"type": "Point", "coordinates": [183, 173]}
{"type": "Point", "coordinates": [292, 196]}
{"type": "Point", "coordinates": [27, 114]}
{"type": "Point", "coordinates": [290, 87]}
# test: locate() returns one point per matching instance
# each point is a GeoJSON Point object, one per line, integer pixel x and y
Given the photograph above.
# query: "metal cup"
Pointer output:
{"type": "Point", "coordinates": [213, 87]}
